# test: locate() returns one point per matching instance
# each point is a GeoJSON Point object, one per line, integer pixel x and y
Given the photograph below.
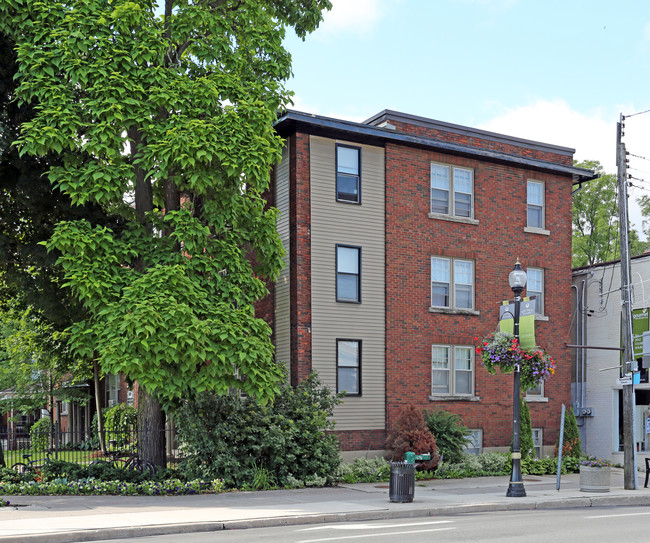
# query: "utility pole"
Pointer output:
{"type": "Point", "coordinates": [629, 451]}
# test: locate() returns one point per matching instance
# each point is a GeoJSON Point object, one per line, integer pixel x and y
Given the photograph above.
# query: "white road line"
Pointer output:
{"type": "Point", "coordinates": [621, 515]}
{"type": "Point", "coordinates": [341, 538]}
{"type": "Point", "coordinates": [373, 526]}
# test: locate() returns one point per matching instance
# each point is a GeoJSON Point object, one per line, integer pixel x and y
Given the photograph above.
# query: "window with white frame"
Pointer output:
{"type": "Point", "coordinates": [348, 366]}
{"type": "Point", "coordinates": [452, 190]}
{"type": "Point", "coordinates": [348, 273]}
{"type": "Point", "coordinates": [452, 283]}
{"type": "Point", "coordinates": [474, 443]}
{"type": "Point", "coordinates": [452, 370]}
{"type": "Point", "coordinates": [536, 392]}
{"type": "Point", "coordinates": [535, 287]}
{"type": "Point", "coordinates": [348, 174]}
{"type": "Point", "coordinates": [538, 442]}
{"type": "Point", "coordinates": [535, 201]}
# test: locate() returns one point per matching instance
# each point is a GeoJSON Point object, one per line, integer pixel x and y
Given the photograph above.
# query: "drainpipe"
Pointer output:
{"type": "Point", "coordinates": [583, 316]}
{"type": "Point", "coordinates": [579, 353]}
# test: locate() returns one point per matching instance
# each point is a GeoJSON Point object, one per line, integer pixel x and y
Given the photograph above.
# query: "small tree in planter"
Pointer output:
{"type": "Point", "coordinates": [410, 433]}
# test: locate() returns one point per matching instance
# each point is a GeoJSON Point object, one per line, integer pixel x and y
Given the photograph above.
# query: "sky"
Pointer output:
{"type": "Point", "coordinates": [559, 72]}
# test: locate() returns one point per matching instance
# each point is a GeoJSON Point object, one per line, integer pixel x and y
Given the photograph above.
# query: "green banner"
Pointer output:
{"type": "Point", "coordinates": [526, 321]}
{"type": "Point", "coordinates": [640, 324]}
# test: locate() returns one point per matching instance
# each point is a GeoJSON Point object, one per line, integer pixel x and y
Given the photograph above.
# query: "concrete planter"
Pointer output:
{"type": "Point", "coordinates": [594, 479]}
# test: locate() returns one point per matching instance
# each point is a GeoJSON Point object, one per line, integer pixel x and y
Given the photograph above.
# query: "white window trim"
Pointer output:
{"type": "Point", "coordinates": [537, 229]}
{"type": "Point", "coordinates": [475, 432]}
{"type": "Point", "coordinates": [538, 453]}
{"type": "Point", "coordinates": [451, 308]}
{"type": "Point", "coordinates": [452, 374]}
{"type": "Point", "coordinates": [536, 398]}
{"type": "Point", "coordinates": [542, 314]}
{"type": "Point", "coordinates": [451, 216]}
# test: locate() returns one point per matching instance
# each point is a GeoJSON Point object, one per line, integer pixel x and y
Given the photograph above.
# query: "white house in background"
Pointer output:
{"type": "Point", "coordinates": [596, 396]}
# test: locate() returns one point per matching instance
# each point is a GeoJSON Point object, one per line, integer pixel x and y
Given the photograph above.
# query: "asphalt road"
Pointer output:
{"type": "Point", "coordinates": [589, 525]}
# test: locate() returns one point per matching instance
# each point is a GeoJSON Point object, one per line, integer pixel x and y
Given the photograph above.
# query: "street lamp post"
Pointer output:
{"type": "Point", "coordinates": [517, 280]}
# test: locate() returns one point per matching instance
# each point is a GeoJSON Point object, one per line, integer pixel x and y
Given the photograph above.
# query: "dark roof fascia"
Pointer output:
{"type": "Point", "coordinates": [292, 121]}
{"type": "Point", "coordinates": [582, 269]}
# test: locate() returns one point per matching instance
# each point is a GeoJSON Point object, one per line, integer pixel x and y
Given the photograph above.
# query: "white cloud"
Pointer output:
{"type": "Point", "coordinates": [592, 134]}
{"type": "Point", "coordinates": [352, 16]}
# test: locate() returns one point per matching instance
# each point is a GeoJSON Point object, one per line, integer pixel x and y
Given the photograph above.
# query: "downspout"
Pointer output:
{"type": "Point", "coordinates": [579, 353]}
{"type": "Point", "coordinates": [583, 316]}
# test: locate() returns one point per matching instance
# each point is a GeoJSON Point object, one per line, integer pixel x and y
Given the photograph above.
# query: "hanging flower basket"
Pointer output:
{"type": "Point", "coordinates": [502, 351]}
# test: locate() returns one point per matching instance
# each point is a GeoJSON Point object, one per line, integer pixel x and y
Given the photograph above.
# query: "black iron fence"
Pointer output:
{"type": "Point", "coordinates": [81, 447]}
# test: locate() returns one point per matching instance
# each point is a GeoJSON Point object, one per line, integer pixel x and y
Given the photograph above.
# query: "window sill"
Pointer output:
{"type": "Point", "coordinates": [536, 399]}
{"type": "Point", "coordinates": [453, 311]}
{"type": "Point", "coordinates": [452, 218]}
{"type": "Point", "coordinates": [540, 231]}
{"type": "Point", "coordinates": [541, 317]}
{"type": "Point", "coordinates": [452, 398]}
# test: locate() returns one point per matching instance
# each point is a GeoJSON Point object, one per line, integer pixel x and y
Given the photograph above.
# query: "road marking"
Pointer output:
{"type": "Point", "coordinates": [341, 538]}
{"type": "Point", "coordinates": [373, 526]}
{"type": "Point", "coordinates": [620, 515]}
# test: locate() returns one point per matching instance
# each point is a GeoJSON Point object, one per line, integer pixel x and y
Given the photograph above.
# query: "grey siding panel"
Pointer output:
{"type": "Point", "coordinates": [362, 225]}
{"type": "Point", "coordinates": [282, 292]}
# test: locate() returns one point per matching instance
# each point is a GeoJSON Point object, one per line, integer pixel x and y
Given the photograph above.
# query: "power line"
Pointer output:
{"type": "Point", "coordinates": [638, 156]}
{"type": "Point", "coordinates": [635, 114]}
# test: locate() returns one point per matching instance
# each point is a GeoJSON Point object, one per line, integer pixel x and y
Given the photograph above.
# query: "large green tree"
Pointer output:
{"type": "Point", "coordinates": [167, 118]}
{"type": "Point", "coordinates": [596, 234]}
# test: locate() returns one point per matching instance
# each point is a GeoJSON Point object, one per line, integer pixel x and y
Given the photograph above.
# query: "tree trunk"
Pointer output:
{"type": "Point", "coordinates": [151, 429]}
{"type": "Point", "coordinates": [98, 405]}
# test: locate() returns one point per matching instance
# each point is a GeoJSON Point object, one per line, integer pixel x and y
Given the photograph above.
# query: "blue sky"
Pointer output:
{"type": "Point", "coordinates": [560, 72]}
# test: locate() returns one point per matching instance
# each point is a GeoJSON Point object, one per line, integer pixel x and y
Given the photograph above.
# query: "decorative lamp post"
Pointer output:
{"type": "Point", "coordinates": [517, 280]}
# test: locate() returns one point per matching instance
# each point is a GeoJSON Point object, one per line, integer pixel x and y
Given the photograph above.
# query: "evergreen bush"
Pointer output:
{"type": "Point", "coordinates": [451, 435]}
{"type": "Point", "coordinates": [571, 444]}
{"type": "Point", "coordinates": [410, 433]}
{"type": "Point", "coordinates": [247, 444]}
{"type": "Point", "coordinates": [526, 444]}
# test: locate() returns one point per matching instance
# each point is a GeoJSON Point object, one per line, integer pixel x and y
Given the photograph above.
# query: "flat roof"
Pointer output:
{"type": "Point", "coordinates": [291, 121]}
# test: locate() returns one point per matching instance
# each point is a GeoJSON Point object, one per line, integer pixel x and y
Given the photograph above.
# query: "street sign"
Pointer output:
{"type": "Point", "coordinates": [625, 380]}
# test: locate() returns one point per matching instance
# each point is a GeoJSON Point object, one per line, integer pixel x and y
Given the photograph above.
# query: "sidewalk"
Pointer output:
{"type": "Point", "coordinates": [59, 519]}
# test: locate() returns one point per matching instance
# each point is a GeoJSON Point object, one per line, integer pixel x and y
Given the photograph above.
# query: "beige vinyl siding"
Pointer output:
{"type": "Point", "coordinates": [282, 292]}
{"type": "Point", "coordinates": [362, 225]}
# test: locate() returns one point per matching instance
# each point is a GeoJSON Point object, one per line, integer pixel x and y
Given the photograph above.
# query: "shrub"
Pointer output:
{"type": "Point", "coordinates": [410, 433]}
{"type": "Point", "coordinates": [525, 431]}
{"type": "Point", "coordinates": [247, 443]}
{"type": "Point", "coordinates": [571, 445]}
{"type": "Point", "coordinates": [39, 434]}
{"type": "Point", "coordinates": [364, 470]}
{"type": "Point", "coordinates": [119, 423]}
{"type": "Point", "coordinates": [450, 433]}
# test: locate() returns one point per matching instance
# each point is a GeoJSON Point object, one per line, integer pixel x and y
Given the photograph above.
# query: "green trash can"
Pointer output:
{"type": "Point", "coordinates": [402, 482]}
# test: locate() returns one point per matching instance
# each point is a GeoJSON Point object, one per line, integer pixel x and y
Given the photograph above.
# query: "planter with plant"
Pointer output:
{"type": "Point", "coordinates": [595, 475]}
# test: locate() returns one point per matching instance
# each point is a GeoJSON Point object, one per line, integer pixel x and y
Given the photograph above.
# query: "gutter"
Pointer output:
{"type": "Point", "coordinates": [314, 124]}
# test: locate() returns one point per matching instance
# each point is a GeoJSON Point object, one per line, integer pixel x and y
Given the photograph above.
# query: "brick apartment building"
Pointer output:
{"type": "Point", "coordinates": [400, 233]}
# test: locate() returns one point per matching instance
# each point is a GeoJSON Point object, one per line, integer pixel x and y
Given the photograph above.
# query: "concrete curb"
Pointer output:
{"type": "Point", "coordinates": [384, 514]}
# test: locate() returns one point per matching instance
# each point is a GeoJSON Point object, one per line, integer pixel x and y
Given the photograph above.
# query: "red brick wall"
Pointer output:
{"type": "Point", "coordinates": [300, 257]}
{"type": "Point", "coordinates": [482, 143]}
{"type": "Point", "coordinates": [494, 245]}
{"type": "Point", "coordinates": [361, 440]}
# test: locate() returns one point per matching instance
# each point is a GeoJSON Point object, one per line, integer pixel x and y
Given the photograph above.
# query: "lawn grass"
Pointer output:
{"type": "Point", "coordinates": [78, 457]}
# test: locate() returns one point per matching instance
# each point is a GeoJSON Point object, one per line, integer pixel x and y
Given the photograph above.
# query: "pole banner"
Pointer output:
{"type": "Point", "coordinates": [526, 321]}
